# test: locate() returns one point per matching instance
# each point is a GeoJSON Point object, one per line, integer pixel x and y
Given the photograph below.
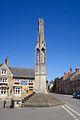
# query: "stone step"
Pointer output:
{"type": "Point", "coordinates": [42, 100]}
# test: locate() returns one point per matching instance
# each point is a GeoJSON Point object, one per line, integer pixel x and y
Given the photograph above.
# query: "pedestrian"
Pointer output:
{"type": "Point", "coordinates": [4, 103]}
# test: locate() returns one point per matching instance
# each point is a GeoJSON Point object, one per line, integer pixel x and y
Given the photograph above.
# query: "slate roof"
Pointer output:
{"type": "Point", "coordinates": [69, 76]}
{"type": "Point", "coordinates": [22, 72]}
{"type": "Point", "coordinates": [77, 77]}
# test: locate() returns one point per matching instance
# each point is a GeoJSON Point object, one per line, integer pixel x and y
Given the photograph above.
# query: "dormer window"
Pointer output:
{"type": "Point", "coordinates": [3, 72]}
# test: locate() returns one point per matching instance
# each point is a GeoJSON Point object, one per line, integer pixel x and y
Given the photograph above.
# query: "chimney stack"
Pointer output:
{"type": "Point", "coordinates": [77, 69]}
{"type": "Point", "coordinates": [7, 61]}
{"type": "Point", "coordinates": [70, 71]}
{"type": "Point", "coordinates": [65, 76]}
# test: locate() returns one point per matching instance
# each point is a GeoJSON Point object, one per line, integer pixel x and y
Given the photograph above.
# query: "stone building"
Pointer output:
{"type": "Point", "coordinates": [70, 82]}
{"type": "Point", "coordinates": [17, 83]}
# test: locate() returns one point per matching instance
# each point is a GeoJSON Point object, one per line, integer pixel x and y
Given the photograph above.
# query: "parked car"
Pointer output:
{"type": "Point", "coordinates": [76, 94]}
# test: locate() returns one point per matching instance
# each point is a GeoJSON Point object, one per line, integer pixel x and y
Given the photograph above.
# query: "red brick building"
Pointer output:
{"type": "Point", "coordinates": [68, 83]}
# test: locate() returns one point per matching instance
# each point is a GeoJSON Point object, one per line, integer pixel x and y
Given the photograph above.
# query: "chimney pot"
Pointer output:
{"type": "Point", "coordinates": [77, 69]}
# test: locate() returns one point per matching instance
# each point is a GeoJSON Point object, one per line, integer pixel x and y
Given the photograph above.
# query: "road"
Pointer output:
{"type": "Point", "coordinates": [69, 111]}
{"type": "Point", "coordinates": [70, 101]}
{"type": "Point", "coordinates": [71, 106]}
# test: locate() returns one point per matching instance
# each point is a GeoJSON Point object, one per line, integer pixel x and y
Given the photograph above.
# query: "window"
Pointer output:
{"type": "Point", "coordinates": [17, 90]}
{"type": "Point", "coordinates": [37, 55]}
{"type": "Point", "coordinates": [23, 82]}
{"type": "Point", "coordinates": [30, 83]}
{"type": "Point", "coordinates": [3, 80]}
{"type": "Point", "coordinates": [3, 91]}
{"type": "Point", "coordinates": [30, 87]}
{"type": "Point", "coordinates": [17, 81]}
{"type": "Point", "coordinates": [4, 72]}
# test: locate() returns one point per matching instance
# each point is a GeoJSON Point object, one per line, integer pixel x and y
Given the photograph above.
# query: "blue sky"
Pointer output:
{"type": "Point", "coordinates": [18, 33]}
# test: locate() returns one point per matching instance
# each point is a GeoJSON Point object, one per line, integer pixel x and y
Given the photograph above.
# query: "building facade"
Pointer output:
{"type": "Point", "coordinates": [15, 83]}
{"type": "Point", "coordinates": [69, 83]}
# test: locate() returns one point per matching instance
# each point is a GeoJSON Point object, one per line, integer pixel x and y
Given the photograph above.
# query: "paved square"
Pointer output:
{"type": "Point", "coordinates": [51, 113]}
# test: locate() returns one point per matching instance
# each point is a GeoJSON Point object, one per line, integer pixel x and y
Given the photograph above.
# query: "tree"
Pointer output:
{"type": "Point", "coordinates": [55, 84]}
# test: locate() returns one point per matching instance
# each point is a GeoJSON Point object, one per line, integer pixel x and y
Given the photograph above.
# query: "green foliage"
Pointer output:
{"type": "Point", "coordinates": [54, 87]}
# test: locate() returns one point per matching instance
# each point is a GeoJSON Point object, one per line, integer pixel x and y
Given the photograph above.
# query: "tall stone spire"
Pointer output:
{"type": "Point", "coordinates": [40, 60]}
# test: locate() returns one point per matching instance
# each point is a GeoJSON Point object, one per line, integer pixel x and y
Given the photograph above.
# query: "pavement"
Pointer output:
{"type": "Point", "coordinates": [69, 111]}
{"type": "Point", "coordinates": [50, 113]}
{"type": "Point", "coordinates": [8, 103]}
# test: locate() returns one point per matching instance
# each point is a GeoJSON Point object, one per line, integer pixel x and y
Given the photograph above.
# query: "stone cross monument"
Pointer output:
{"type": "Point", "coordinates": [40, 60]}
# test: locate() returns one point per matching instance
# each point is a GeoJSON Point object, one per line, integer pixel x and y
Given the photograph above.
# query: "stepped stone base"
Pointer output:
{"type": "Point", "coordinates": [42, 100]}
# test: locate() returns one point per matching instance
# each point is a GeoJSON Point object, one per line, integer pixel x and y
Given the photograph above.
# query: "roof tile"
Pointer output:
{"type": "Point", "coordinates": [22, 72]}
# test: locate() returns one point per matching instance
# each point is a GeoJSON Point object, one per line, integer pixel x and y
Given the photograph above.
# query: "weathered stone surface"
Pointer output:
{"type": "Point", "coordinates": [40, 60]}
{"type": "Point", "coordinates": [42, 100]}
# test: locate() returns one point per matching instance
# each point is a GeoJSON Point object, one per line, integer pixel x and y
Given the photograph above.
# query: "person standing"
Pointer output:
{"type": "Point", "coordinates": [4, 105]}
